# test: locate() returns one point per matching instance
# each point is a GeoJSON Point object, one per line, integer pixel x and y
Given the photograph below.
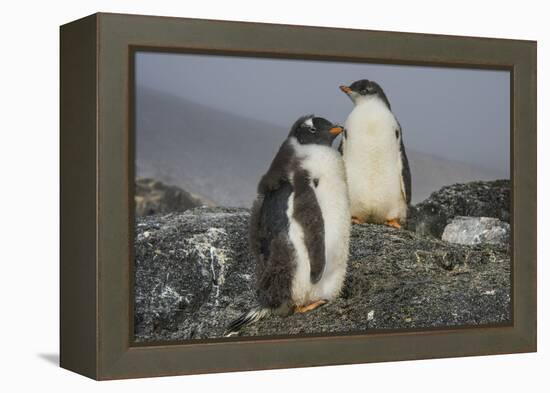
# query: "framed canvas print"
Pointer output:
{"type": "Point", "coordinates": [241, 196]}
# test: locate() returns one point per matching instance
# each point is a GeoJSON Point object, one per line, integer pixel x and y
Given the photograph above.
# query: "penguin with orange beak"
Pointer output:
{"type": "Point", "coordinates": [299, 226]}
{"type": "Point", "coordinates": [377, 168]}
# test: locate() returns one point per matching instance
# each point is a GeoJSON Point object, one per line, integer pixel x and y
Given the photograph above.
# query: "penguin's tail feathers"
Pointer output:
{"type": "Point", "coordinates": [247, 318]}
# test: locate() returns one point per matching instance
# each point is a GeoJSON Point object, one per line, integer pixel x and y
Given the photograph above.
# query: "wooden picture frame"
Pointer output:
{"type": "Point", "coordinates": [97, 194]}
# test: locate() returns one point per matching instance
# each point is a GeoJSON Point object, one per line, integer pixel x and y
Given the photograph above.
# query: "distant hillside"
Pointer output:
{"type": "Point", "coordinates": [222, 156]}
{"type": "Point", "coordinates": [218, 155]}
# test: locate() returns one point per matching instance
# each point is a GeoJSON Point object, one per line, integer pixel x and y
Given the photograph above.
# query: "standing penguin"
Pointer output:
{"type": "Point", "coordinates": [299, 227]}
{"type": "Point", "coordinates": [377, 168]}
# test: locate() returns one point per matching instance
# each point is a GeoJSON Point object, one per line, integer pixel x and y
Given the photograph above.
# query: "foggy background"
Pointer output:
{"type": "Point", "coordinates": [212, 124]}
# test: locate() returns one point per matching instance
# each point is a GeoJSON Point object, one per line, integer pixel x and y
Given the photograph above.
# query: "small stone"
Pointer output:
{"type": "Point", "coordinates": [477, 230]}
{"type": "Point", "coordinates": [370, 315]}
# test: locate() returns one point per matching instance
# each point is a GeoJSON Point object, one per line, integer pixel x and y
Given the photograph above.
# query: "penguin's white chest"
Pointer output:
{"type": "Point", "coordinates": [373, 164]}
{"type": "Point", "coordinates": [326, 167]}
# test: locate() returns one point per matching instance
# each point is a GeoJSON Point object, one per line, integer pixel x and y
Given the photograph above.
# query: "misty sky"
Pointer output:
{"type": "Point", "coordinates": [459, 114]}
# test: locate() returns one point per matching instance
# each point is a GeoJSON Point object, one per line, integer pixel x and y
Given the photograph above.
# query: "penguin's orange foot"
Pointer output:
{"type": "Point", "coordinates": [309, 307]}
{"type": "Point", "coordinates": [394, 223]}
{"type": "Point", "coordinates": [355, 220]}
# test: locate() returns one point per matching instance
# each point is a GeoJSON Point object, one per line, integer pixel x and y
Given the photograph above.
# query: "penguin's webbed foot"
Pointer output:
{"type": "Point", "coordinates": [355, 220]}
{"type": "Point", "coordinates": [394, 223]}
{"type": "Point", "coordinates": [309, 307]}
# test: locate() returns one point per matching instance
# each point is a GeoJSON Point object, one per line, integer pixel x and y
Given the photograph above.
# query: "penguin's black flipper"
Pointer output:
{"type": "Point", "coordinates": [406, 174]}
{"type": "Point", "coordinates": [341, 144]}
{"type": "Point", "coordinates": [244, 319]}
{"type": "Point", "coordinates": [405, 168]}
{"type": "Point", "coordinates": [308, 214]}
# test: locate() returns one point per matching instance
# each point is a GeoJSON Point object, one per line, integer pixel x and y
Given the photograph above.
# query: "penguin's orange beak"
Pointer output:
{"type": "Point", "coordinates": [345, 89]}
{"type": "Point", "coordinates": [336, 130]}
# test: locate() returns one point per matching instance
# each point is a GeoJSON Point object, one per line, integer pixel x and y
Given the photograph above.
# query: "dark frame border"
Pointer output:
{"type": "Point", "coordinates": [96, 149]}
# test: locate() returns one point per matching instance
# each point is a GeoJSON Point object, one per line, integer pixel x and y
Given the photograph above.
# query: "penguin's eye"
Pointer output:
{"type": "Point", "coordinates": [313, 130]}
{"type": "Point", "coordinates": [363, 92]}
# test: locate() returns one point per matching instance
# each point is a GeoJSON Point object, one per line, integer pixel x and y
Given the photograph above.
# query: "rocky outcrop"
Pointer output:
{"type": "Point", "coordinates": [154, 197]}
{"type": "Point", "coordinates": [189, 269]}
{"type": "Point", "coordinates": [477, 230]}
{"type": "Point", "coordinates": [194, 274]}
{"type": "Point", "coordinates": [475, 199]}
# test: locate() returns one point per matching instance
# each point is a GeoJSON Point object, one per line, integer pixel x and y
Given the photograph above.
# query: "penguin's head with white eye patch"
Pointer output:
{"type": "Point", "coordinates": [315, 130]}
{"type": "Point", "coordinates": [363, 90]}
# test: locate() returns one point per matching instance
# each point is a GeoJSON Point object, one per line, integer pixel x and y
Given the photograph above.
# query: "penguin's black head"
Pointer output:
{"type": "Point", "coordinates": [314, 130]}
{"type": "Point", "coordinates": [364, 89]}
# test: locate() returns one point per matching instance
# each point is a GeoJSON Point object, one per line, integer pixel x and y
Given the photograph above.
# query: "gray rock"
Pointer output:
{"type": "Point", "coordinates": [194, 275]}
{"type": "Point", "coordinates": [154, 197]}
{"type": "Point", "coordinates": [475, 199]}
{"type": "Point", "coordinates": [188, 268]}
{"type": "Point", "coordinates": [476, 230]}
